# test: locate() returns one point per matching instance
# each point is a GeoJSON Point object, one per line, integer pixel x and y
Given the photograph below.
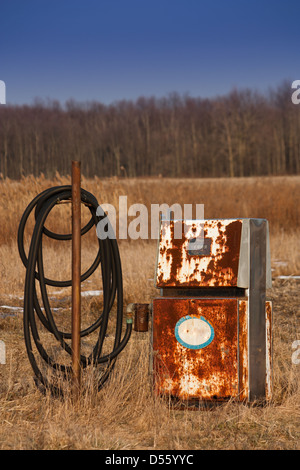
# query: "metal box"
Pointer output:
{"type": "Point", "coordinates": [212, 324]}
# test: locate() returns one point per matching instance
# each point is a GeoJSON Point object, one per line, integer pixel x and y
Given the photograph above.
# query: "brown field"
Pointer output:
{"type": "Point", "coordinates": [125, 415]}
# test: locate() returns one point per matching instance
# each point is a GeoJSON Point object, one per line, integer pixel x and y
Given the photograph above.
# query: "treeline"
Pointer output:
{"type": "Point", "coordinates": [244, 133]}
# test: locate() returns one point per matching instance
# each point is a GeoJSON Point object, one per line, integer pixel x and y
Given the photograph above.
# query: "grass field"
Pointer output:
{"type": "Point", "coordinates": [125, 415]}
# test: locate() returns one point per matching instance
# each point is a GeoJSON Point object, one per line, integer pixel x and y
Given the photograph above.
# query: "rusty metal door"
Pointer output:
{"type": "Point", "coordinates": [195, 348]}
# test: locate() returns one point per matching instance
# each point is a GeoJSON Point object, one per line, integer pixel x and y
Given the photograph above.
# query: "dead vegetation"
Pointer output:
{"type": "Point", "coordinates": [125, 415]}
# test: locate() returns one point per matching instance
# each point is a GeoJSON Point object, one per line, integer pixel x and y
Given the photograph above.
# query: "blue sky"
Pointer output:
{"type": "Point", "coordinates": [109, 50]}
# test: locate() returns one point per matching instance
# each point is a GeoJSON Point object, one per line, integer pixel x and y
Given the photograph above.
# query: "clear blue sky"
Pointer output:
{"type": "Point", "coordinates": [109, 50]}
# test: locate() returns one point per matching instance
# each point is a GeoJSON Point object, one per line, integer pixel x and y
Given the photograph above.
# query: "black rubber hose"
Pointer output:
{"type": "Point", "coordinates": [107, 257]}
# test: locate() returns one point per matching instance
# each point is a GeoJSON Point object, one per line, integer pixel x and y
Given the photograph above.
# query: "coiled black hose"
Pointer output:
{"type": "Point", "coordinates": [108, 257]}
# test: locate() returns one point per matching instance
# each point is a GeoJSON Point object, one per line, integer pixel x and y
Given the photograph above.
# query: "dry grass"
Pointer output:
{"type": "Point", "coordinates": [125, 415]}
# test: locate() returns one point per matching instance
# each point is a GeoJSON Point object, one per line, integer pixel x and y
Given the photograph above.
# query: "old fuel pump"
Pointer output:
{"type": "Point", "coordinates": [211, 323]}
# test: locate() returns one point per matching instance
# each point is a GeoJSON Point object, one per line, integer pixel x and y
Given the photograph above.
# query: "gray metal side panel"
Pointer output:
{"type": "Point", "coordinates": [257, 298]}
{"type": "Point", "coordinates": [244, 259]}
{"type": "Point", "coordinates": [243, 272]}
{"type": "Point", "coordinates": [268, 261]}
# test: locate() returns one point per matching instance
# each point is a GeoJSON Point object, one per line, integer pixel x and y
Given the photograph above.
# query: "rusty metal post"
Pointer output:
{"type": "Point", "coordinates": [76, 273]}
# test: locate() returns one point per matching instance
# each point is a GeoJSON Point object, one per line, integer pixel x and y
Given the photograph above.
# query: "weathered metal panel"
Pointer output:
{"type": "Point", "coordinates": [243, 351]}
{"type": "Point", "coordinates": [245, 263]}
{"type": "Point", "coordinates": [257, 310]}
{"type": "Point", "coordinates": [187, 371]}
{"type": "Point", "coordinates": [198, 253]}
{"type": "Point", "coordinates": [217, 370]}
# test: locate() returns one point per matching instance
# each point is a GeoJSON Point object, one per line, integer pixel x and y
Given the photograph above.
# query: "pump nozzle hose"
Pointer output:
{"type": "Point", "coordinates": [37, 315]}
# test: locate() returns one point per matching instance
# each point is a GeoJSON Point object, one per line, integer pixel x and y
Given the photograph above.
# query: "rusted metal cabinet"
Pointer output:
{"type": "Point", "coordinates": [211, 325]}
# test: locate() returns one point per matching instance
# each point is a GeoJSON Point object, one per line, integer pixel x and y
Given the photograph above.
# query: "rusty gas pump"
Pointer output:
{"type": "Point", "coordinates": [211, 322]}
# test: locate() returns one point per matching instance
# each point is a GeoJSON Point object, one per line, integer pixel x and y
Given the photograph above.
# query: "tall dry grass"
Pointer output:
{"type": "Point", "coordinates": [125, 415]}
{"type": "Point", "coordinates": [274, 198]}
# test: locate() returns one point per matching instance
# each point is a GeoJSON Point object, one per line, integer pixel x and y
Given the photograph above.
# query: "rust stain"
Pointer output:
{"type": "Point", "coordinates": [269, 365]}
{"type": "Point", "coordinates": [210, 373]}
{"type": "Point", "coordinates": [243, 351]}
{"type": "Point", "coordinates": [216, 264]}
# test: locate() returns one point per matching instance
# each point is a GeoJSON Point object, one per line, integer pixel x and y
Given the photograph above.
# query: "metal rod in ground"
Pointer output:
{"type": "Point", "coordinates": [76, 272]}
